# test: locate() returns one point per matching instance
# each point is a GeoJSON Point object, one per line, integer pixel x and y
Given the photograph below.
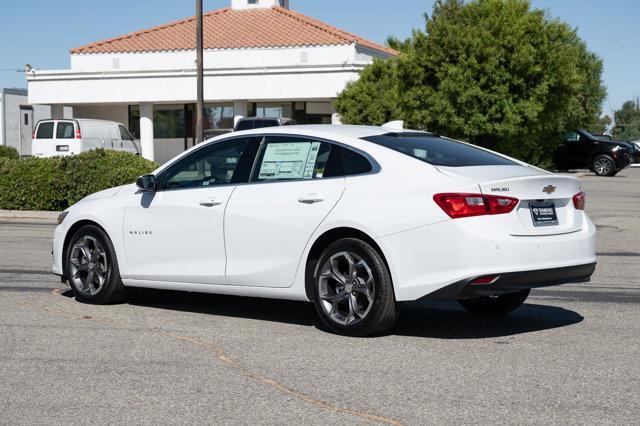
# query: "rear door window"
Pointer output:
{"type": "Point", "coordinates": [297, 158]}
{"type": "Point", "coordinates": [65, 130]}
{"type": "Point", "coordinates": [439, 151]}
{"type": "Point", "coordinates": [45, 130]}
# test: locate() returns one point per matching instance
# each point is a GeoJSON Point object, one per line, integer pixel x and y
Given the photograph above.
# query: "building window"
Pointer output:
{"type": "Point", "coordinates": [168, 121]}
{"type": "Point", "coordinates": [274, 109]}
{"type": "Point", "coordinates": [218, 116]}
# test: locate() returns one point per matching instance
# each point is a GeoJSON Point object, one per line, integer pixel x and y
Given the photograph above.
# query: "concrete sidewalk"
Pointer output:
{"type": "Point", "coordinates": [29, 216]}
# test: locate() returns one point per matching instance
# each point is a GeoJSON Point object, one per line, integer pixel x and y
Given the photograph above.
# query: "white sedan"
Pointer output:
{"type": "Point", "coordinates": [355, 219]}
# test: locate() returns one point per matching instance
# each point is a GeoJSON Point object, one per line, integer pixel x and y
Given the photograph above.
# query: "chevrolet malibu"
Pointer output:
{"type": "Point", "coordinates": [355, 219]}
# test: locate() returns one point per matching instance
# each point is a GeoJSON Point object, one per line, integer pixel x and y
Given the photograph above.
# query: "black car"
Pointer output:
{"type": "Point", "coordinates": [248, 123]}
{"type": "Point", "coordinates": [604, 157]}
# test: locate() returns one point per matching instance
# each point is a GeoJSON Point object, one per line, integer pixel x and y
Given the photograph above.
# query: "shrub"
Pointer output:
{"type": "Point", "coordinates": [58, 182]}
{"type": "Point", "coordinates": [8, 152]}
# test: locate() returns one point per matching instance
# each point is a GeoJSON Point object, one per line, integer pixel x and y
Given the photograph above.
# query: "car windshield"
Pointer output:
{"type": "Point", "coordinates": [439, 151]}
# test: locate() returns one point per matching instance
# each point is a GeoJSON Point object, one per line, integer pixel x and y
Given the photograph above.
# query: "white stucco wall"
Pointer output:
{"type": "Point", "coordinates": [218, 59]}
{"type": "Point", "coordinates": [119, 113]}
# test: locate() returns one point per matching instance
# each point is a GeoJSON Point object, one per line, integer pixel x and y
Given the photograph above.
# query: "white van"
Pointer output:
{"type": "Point", "coordinates": [73, 136]}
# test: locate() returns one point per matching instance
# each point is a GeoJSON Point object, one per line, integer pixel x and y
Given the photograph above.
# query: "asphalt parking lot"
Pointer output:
{"type": "Point", "coordinates": [570, 354]}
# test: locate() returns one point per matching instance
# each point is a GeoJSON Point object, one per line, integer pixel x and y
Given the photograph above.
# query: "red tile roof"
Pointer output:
{"type": "Point", "coordinates": [234, 29]}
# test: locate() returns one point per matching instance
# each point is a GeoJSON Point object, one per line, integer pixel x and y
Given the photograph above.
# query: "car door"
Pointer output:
{"type": "Point", "coordinates": [295, 183]}
{"type": "Point", "coordinates": [175, 234]}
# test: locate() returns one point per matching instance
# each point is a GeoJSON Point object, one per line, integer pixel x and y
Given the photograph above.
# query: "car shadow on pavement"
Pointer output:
{"type": "Point", "coordinates": [447, 320]}
{"type": "Point", "coordinates": [432, 319]}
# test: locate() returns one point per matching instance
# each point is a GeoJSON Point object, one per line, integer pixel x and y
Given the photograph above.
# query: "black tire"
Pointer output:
{"type": "Point", "coordinates": [603, 165]}
{"type": "Point", "coordinates": [494, 305]}
{"type": "Point", "coordinates": [104, 269]}
{"type": "Point", "coordinates": [381, 314]}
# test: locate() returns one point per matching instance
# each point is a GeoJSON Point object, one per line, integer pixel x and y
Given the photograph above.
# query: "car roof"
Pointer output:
{"type": "Point", "coordinates": [326, 130]}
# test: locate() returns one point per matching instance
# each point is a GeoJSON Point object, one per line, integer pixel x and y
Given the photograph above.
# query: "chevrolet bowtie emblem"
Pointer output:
{"type": "Point", "coordinates": [549, 189]}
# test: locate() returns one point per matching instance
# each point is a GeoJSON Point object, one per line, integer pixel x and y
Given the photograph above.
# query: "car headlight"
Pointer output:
{"type": "Point", "coordinates": [61, 217]}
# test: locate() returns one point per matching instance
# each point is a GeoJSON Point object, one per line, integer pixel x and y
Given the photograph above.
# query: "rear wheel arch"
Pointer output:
{"type": "Point", "coordinates": [323, 241]}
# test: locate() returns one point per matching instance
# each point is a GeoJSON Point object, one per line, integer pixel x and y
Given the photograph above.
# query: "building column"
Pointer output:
{"type": "Point", "coordinates": [240, 110]}
{"type": "Point", "coordinates": [146, 130]}
{"type": "Point", "coordinates": [57, 112]}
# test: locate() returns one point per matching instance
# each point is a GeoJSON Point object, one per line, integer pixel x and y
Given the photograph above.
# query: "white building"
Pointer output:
{"type": "Point", "coordinates": [260, 58]}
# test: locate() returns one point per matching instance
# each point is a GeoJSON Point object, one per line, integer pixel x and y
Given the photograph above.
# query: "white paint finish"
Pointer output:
{"type": "Point", "coordinates": [178, 87]}
{"type": "Point", "coordinates": [258, 4]}
{"type": "Point", "coordinates": [146, 130]}
{"type": "Point", "coordinates": [164, 149]}
{"type": "Point", "coordinates": [267, 228]}
{"type": "Point", "coordinates": [424, 248]}
{"type": "Point", "coordinates": [191, 234]}
{"type": "Point", "coordinates": [218, 59]}
{"type": "Point", "coordinates": [94, 134]}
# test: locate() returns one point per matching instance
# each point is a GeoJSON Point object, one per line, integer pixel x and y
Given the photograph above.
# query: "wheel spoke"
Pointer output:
{"type": "Point", "coordinates": [351, 273]}
{"type": "Point", "coordinates": [356, 307]}
{"type": "Point", "coordinates": [337, 275]}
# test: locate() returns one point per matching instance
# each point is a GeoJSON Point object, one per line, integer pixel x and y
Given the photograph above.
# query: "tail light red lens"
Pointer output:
{"type": "Point", "coordinates": [466, 205]}
{"type": "Point", "coordinates": [579, 200]}
{"type": "Point", "coordinates": [78, 132]}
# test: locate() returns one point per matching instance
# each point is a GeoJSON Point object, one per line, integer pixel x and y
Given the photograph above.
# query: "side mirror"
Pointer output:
{"type": "Point", "coordinates": [147, 183]}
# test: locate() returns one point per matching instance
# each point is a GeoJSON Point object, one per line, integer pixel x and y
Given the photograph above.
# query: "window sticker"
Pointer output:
{"type": "Point", "coordinates": [289, 160]}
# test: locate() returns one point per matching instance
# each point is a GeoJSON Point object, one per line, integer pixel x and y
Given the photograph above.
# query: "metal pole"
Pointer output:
{"type": "Point", "coordinates": [200, 80]}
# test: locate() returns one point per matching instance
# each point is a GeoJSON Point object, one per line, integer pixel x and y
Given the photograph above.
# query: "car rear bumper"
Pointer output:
{"type": "Point", "coordinates": [515, 281]}
{"type": "Point", "coordinates": [427, 259]}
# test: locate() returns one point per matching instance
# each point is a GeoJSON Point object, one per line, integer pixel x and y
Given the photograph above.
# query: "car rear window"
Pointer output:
{"type": "Point", "coordinates": [439, 151]}
{"type": "Point", "coordinates": [45, 130]}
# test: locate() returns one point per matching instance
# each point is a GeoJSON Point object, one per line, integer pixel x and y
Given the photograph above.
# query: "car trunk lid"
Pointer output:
{"type": "Point", "coordinates": [545, 204]}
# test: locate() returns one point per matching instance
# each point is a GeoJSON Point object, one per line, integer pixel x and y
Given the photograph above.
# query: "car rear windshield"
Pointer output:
{"type": "Point", "coordinates": [439, 151]}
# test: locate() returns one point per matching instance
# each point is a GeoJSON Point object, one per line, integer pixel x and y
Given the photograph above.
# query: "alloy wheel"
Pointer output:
{"type": "Point", "coordinates": [88, 265]}
{"type": "Point", "coordinates": [603, 166]}
{"type": "Point", "coordinates": [346, 288]}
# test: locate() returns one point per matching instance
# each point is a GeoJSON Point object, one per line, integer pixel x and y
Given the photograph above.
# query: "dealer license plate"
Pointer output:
{"type": "Point", "coordinates": [543, 214]}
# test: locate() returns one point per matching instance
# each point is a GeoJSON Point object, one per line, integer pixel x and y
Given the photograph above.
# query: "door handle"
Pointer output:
{"type": "Point", "coordinates": [210, 202]}
{"type": "Point", "coordinates": [310, 199]}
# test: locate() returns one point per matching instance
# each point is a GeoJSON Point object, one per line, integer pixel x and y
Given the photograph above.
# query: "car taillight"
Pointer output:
{"type": "Point", "coordinates": [465, 205]}
{"type": "Point", "coordinates": [78, 133]}
{"type": "Point", "coordinates": [579, 200]}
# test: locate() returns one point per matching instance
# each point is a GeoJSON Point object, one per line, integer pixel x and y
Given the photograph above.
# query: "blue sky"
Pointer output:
{"type": "Point", "coordinates": [41, 32]}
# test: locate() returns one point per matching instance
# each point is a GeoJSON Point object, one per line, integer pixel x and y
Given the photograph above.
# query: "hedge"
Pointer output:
{"type": "Point", "coordinates": [58, 182]}
{"type": "Point", "coordinates": [8, 152]}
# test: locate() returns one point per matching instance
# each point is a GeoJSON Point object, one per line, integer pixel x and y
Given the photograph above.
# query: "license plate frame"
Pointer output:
{"type": "Point", "coordinates": [541, 216]}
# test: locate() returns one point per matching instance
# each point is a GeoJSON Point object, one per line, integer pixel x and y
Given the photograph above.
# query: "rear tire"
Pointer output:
{"type": "Point", "coordinates": [92, 267]}
{"type": "Point", "coordinates": [352, 289]}
{"type": "Point", "coordinates": [494, 305]}
{"type": "Point", "coordinates": [603, 165]}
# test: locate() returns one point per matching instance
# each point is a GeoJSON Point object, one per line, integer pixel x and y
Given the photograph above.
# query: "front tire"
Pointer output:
{"type": "Point", "coordinates": [494, 305]}
{"type": "Point", "coordinates": [353, 292]}
{"type": "Point", "coordinates": [603, 165]}
{"type": "Point", "coordinates": [92, 267]}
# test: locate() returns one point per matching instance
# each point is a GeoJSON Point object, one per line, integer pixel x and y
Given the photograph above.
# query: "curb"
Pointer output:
{"type": "Point", "coordinates": [26, 215]}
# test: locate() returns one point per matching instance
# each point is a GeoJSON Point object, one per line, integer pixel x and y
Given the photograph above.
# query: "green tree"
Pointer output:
{"type": "Point", "coordinates": [373, 99]}
{"type": "Point", "coordinates": [493, 72]}
{"type": "Point", "coordinates": [627, 122]}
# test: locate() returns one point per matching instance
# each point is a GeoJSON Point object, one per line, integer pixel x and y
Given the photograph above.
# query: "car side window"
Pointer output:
{"type": "Point", "coordinates": [218, 164]}
{"type": "Point", "coordinates": [572, 137]}
{"type": "Point", "coordinates": [285, 158]}
{"type": "Point", "coordinates": [124, 133]}
{"type": "Point", "coordinates": [45, 130]}
{"type": "Point", "coordinates": [354, 163]}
